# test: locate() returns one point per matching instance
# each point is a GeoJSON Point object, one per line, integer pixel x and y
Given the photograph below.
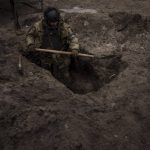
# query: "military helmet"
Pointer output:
{"type": "Point", "coordinates": [51, 14]}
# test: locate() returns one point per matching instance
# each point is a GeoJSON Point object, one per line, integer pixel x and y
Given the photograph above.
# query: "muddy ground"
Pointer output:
{"type": "Point", "coordinates": [107, 106]}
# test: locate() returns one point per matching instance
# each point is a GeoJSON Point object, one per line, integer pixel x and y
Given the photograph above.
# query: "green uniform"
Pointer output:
{"type": "Point", "coordinates": [60, 39]}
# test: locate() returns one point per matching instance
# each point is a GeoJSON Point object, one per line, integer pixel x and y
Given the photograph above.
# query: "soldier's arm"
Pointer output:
{"type": "Point", "coordinates": [72, 39]}
{"type": "Point", "coordinates": [30, 37]}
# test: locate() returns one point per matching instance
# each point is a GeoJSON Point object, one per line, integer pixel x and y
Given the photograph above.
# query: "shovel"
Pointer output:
{"type": "Point", "coordinates": [79, 54]}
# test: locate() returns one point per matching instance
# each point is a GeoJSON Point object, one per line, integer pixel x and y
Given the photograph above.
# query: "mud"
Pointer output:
{"type": "Point", "coordinates": [109, 109]}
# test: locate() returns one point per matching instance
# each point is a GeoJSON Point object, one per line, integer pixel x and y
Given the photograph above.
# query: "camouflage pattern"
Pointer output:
{"type": "Point", "coordinates": [57, 63]}
{"type": "Point", "coordinates": [35, 33]}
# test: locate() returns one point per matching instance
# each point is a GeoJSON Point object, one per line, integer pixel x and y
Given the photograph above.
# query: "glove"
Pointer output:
{"type": "Point", "coordinates": [31, 47]}
{"type": "Point", "coordinates": [75, 53]}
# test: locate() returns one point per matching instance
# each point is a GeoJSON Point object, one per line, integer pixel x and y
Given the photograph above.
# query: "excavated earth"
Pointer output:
{"type": "Point", "coordinates": [107, 104]}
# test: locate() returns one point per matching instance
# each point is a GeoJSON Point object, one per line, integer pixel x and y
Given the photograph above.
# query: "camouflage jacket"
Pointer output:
{"type": "Point", "coordinates": [35, 33]}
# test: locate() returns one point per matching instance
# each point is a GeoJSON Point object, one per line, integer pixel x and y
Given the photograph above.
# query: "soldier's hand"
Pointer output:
{"type": "Point", "coordinates": [31, 47]}
{"type": "Point", "coordinates": [75, 53]}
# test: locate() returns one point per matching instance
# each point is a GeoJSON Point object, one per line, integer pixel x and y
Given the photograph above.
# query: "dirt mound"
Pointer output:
{"type": "Point", "coordinates": [135, 23]}
{"type": "Point", "coordinates": [36, 111]}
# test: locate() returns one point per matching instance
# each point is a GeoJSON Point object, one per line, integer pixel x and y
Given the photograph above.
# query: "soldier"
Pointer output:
{"type": "Point", "coordinates": [53, 33]}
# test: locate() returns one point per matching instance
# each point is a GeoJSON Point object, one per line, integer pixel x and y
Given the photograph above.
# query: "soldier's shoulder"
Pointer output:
{"type": "Point", "coordinates": [64, 24]}
{"type": "Point", "coordinates": [39, 25]}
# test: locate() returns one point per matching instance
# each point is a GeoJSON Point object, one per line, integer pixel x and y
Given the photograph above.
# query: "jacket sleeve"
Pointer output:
{"type": "Point", "coordinates": [72, 39]}
{"type": "Point", "coordinates": [31, 35]}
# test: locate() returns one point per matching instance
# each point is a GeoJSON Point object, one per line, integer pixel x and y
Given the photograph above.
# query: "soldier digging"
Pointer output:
{"type": "Point", "coordinates": [53, 33]}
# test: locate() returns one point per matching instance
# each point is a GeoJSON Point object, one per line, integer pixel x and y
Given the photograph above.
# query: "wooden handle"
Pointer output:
{"type": "Point", "coordinates": [63, 52]}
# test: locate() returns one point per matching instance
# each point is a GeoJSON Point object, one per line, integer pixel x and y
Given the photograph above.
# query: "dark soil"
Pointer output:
{"type": "Point", "coordinates": [106, 107]}
{"type": "Point", "coordinates": [86, 75]}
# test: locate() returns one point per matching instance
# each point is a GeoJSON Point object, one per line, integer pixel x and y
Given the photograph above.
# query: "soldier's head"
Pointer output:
{"type": "Point", "coordinates": [52, 17]}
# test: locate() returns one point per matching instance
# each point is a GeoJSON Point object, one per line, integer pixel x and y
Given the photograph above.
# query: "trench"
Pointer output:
{"type": "Point", "coordinates": [85, 75]}
{"type": "Point", "coordinates": [88, 75]}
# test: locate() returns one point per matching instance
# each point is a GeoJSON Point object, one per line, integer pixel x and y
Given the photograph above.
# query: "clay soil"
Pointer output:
{"type": "Point", "coordinates": [107, 104]}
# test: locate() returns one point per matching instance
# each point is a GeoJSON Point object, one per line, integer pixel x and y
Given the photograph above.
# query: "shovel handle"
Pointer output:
{"type": "Point", "coordinates": [63, 52]}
